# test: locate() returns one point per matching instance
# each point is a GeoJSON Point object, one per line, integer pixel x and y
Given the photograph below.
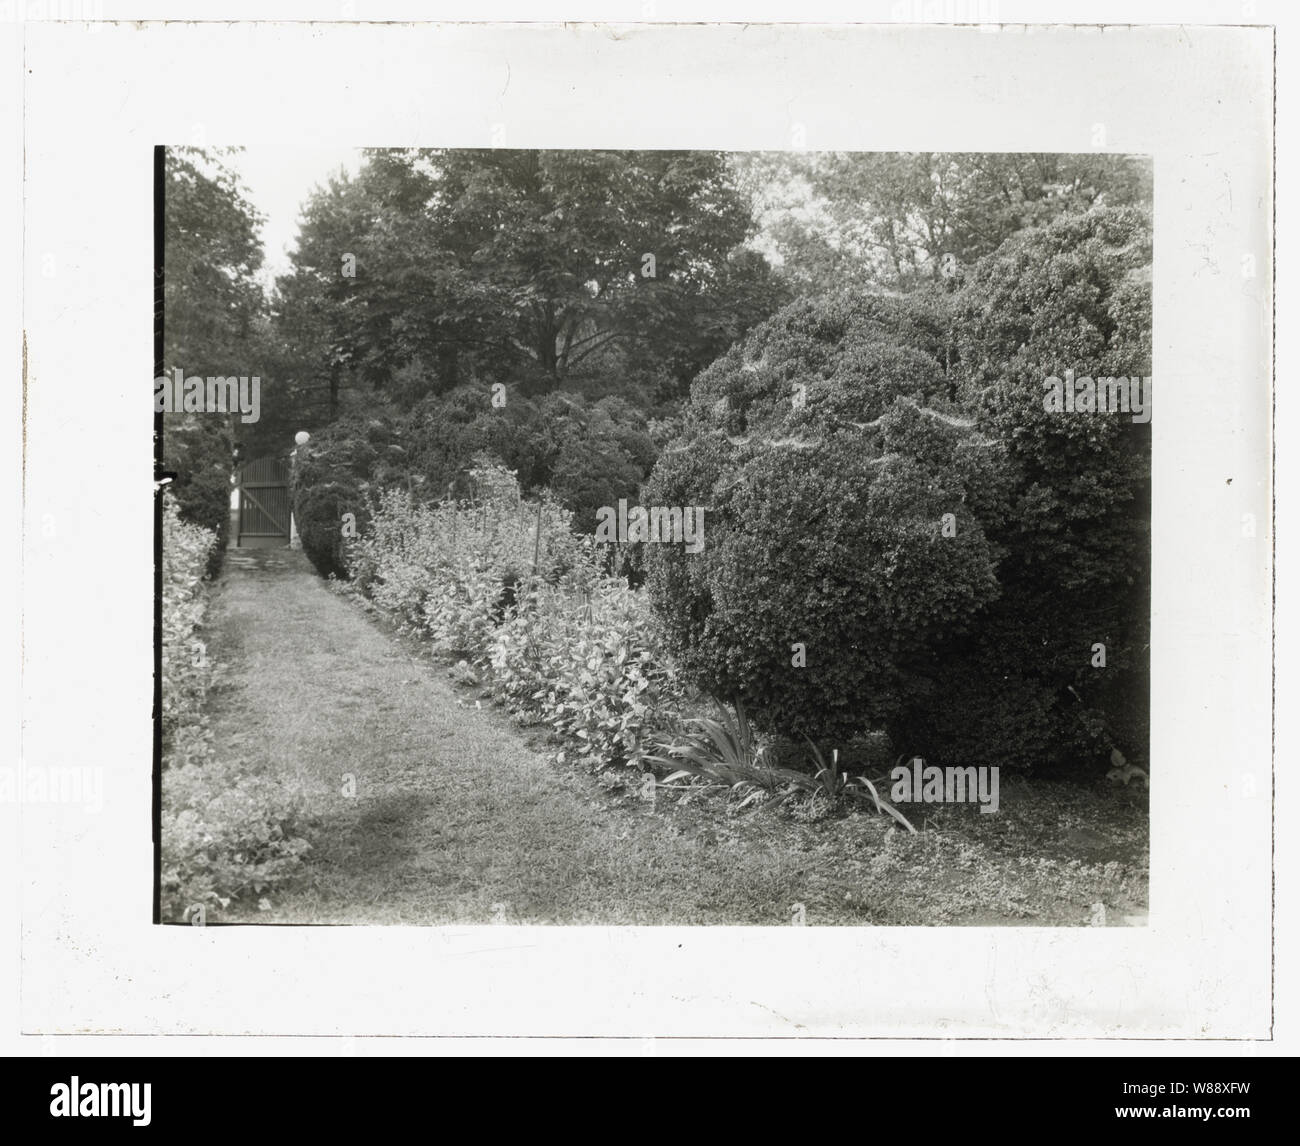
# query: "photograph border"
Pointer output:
{"type": "Point", "coordinates": [91, 958]}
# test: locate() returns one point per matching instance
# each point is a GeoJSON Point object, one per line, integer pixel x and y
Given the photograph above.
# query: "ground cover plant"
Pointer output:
{"type": "Point", "coordinates": [227, 832]}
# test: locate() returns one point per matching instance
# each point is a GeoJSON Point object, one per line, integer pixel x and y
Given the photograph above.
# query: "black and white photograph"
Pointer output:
{"type": "Point", "coordinates": [655, 537]}
{"type": "Point", "coordinates": [670, 534]}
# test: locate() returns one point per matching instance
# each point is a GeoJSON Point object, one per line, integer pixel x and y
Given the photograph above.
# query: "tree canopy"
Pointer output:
{"type": "Point", "coordinates": [213, 305]}
{"type": "Point", "coordinates": [527, 267]}
{"type": "Point", "coordinates": [901, 220]}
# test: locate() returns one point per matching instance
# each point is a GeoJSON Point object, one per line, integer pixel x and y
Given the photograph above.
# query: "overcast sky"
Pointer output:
{"type": "Point", "coordinates": [278, 181]}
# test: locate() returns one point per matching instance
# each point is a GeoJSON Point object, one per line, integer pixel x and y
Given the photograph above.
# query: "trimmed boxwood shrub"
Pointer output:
{"type": "Point", "coordinates": [335, 474]}
{"type": "Point", "coordinates": [826, 455]}
{"type": "Point", "coordinates": [828, 445]}
{"type": "Point", "coordinates": [1075, 519]}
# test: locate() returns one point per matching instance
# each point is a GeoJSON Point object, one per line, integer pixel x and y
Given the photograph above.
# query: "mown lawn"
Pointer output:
{"type": "Point", "coordinates": [430, 806]}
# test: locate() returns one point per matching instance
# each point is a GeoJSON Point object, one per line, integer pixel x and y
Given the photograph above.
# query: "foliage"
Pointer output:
{"type": "Point", "coordinates": [1074, 515]}
{"type": "Point", "coordinates": [211, 255]}
{"type": "Point", "coordinates": [829, 445]}
{"type": "Point", "coordinates": [580, 456]}
{"type": "Point", "coordinates": [833, 785]}
{"type": "Point", "coordinates": [581, 657]}
{"type": "Point", "coordinates": [226, 835]}
{"type": "Point", "coordinates": [197, 452]}
{"type": "Point", "coordinates": [902, 220]}
{"type": "Point", "coordinates": [524, 267]}
{"type": "Point", "coordinates": [333, 475]}
{"type": "Point", "coordinates": [600, 456]}
{"type": "Point", "coordinates": [586, 454]}
{"type": "Point", "coordinates": [186, 674]}
{"type": "Point", "coordinates": [826, 452]}
{"type": "Point", "coordinates": [564, 644]}
{"type": "Point", "coordinates": [728, 751]}
{"type": "Point", "coordinates": [211, 303]}
{"type": "Point", "coordinates": [444, 566]}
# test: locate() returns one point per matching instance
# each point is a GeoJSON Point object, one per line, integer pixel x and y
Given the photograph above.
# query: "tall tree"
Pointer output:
{"type": "Point", "coordinates": [212, 254]}
{"type": "Point", "coordinates": [904, 219]}
{"type": "Point", "coordinates": [526, 265]}
{"type": "Point", "coordinates": [310, 303]}
{"type": "Point", "coordinates": [590, 247]}
{"type": "Point", "coordinates": [212, 304]}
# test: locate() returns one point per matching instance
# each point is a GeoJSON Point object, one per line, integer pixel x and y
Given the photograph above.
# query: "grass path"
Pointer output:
{"type": "Point", "coordinates": [457, 819]}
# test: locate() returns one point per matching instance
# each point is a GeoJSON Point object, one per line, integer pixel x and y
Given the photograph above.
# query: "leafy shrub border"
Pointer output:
{"type": "Point", "coordinates": [226, 834]}
{"type": "Point", "coordinates": [576, 648]}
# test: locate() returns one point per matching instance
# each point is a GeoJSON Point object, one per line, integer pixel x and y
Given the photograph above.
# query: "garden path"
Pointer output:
{"type": "Point", "coordinates": [430, 805]}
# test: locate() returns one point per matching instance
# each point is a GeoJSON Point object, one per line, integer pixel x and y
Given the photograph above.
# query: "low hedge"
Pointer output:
{"type": "Point", "coordinates": [226, 834]}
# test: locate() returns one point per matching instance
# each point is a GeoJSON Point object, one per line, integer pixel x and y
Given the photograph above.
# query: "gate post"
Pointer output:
{"type": "Point", "coordinates": [301, 438]}
{"type": "Point", "coordinates": [239, 505]}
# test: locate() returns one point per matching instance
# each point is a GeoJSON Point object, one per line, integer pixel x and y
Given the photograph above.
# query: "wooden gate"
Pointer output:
{"type": "Point", "coordinates": [263, 502]}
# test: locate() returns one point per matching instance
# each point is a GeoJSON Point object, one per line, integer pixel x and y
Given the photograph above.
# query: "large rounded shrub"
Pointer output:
{"type": "Point", "coordinates": [839, 539]}
{"type": "Point", "coordinates": [602, 454]}
{"type": "Point", "coordinates": [339, 472]}
{"type": "Point", "coordinates": [1074, 524]}
{"type": "Point", "coordinates": [828, 448]}
{"type": "Point", "coordinates": [587, 455]}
